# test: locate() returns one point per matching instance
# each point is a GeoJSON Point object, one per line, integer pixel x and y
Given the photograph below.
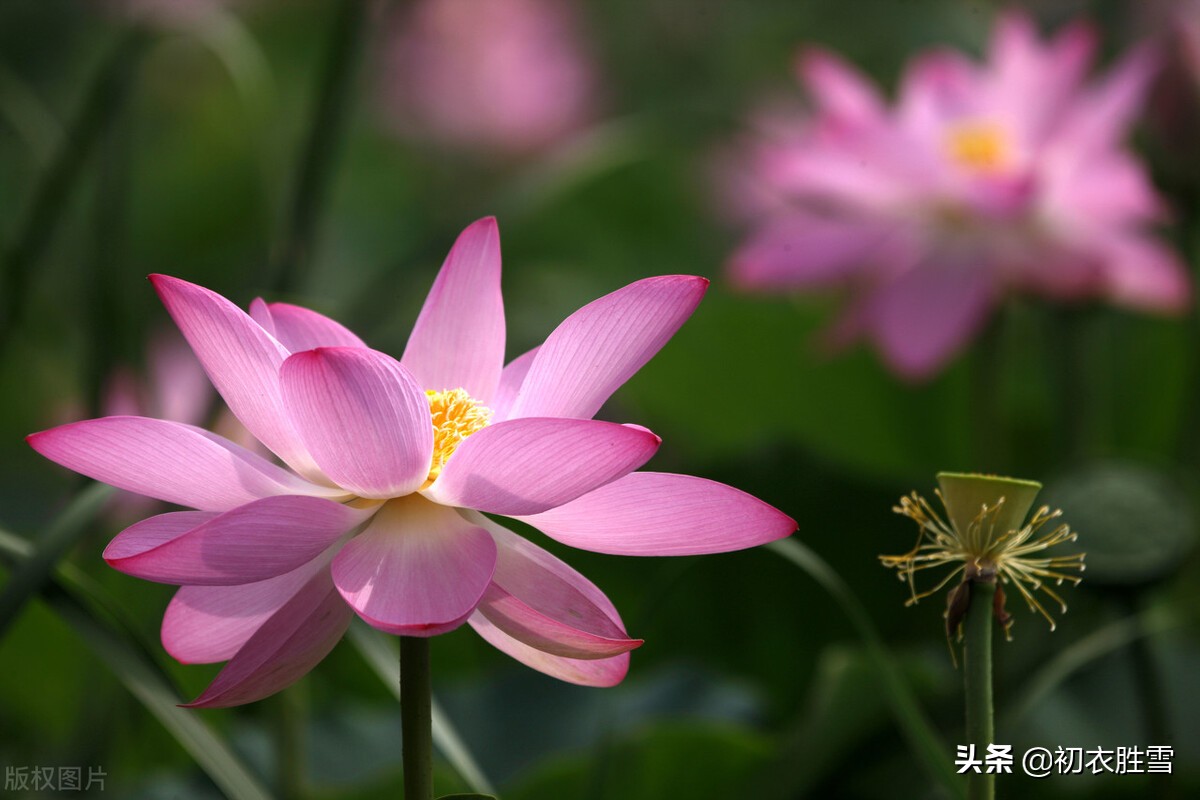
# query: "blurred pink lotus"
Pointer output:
{"type": "Point", "coordinates": [174, 386]}
{"type": "Point", "coordinates": [391, 463]}
{"type": "Point", "coordinates": [980, 180]}
{"type": "Point", "coordinates": [1174, 106]}
{"type": "Point", "coordinates": [502, 75]}
{"type": "Point", "coordinates": [1184, 20]}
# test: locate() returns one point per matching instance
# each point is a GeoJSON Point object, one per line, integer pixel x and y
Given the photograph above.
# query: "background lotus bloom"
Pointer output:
{"type": "Point", "coordinates": [980, 180]}
{"type": "Point", "coordinates": [506, 75]}
{"type": "Point", "coordinates": [390, 464]}
{"type": "Point", "coordinates": [1184, 21]}
{"type": "Point", "coordinates": [174, 386]}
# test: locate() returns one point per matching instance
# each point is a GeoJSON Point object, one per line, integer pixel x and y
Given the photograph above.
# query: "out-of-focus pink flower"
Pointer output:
{"type": "Point", "coordinates": [1174, 107]}
{"type": "Point", "coordinates": [500, 75]}
{"type": "Point", "coordinates": [980, 180]}
{"type": "Point", "coordinates": [174, 387]}
{"type": "Point", "coordinates": [391, 463]}
{"type": "Point", "coordinates": [1184, 20]}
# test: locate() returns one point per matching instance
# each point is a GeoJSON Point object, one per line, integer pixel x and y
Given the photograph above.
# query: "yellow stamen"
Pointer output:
{"type": "Point", "coordinates": [456, 415]}
{"type": "Point", "coordinates": [1008, 555]}
{"type": "Point", "coordinates": [979, 146]}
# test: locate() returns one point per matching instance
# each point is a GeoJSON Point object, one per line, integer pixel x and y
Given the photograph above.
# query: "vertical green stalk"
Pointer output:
{"type": "Point", "coordinates": [102, 99]}
{"type": "Point", "coordinates": [416, 717]}
{"type": "Point", "coordinates": [917, 729]}
{"type": "Point", "coordinates": [1148, 678]}
{"type": "Point", "coordinates": [977, 674]}
{"type": "Point", "coordinates": [291, 259]}
{"type": "Point", "coordinates": [291, 706]}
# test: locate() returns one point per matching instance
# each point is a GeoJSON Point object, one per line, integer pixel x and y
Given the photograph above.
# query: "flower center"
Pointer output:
{"type": "Point", "coordinates": [979, 146]}
{"type": "Point", "coordinates": [456, 415]}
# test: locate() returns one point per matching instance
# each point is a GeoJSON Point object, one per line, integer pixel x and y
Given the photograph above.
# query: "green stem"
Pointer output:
{"type": "Point", "coordinates": [977, 673]}
{"type": "Point", "coordinates": [416, 717]}
{"type": "Point", "coordinates": [291, 705]}
{"type": "Point", "coordinates": [101, 101]}
{"type": "Point", "coordinates": [52, 546]}
{"type": "Point", "coordinates": [313, 171]}
{"type": "Point", "coordinates": [1150, 687]}
{"type": "Point", "coordinates": [916, 727]}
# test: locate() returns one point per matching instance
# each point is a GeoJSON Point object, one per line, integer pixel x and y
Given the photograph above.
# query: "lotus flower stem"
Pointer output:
{"type": "Point", "coordinates": [291, 712]}
{"type": "Point", "coordinates": [416, 717]}
{"type": "Point", "coordinates": [1148, 677]}
{"type": "Point", "coordinates": [977, 671]}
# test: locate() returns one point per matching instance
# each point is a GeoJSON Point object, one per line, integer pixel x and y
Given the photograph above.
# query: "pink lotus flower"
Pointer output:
{"type": "Point", "coordinates": [979, 181]}
{"type": "Point", "coordinates": [1183, 19]}
{"type": "Point", "coordinates": [391, 463]}
{"type": "Point", "coordinates": [174, 388]}
{"type": "Point", "coordinates": [503, 75]}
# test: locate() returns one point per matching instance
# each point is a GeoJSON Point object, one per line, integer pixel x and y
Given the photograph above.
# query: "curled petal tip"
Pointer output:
{"type": "Point", "coordinates": [160, 281]}
{"type": "Point", "coordinates": [645, 430]}
{"type": "Point", "coordinates": [700, 281]}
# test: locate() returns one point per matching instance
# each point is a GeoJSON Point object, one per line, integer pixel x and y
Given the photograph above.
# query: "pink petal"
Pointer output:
{"type": "Point", "coordinates": [1102, 115]}
{"type": "Point", "coordinates": [603, 344]}
{"type": "Point", "coordinates": [539, 600]}
{"type": "Point", "coordinates": [169, 461]}
{"type": "Point", "coordinates": [284, 649]}
{"type": "Point", "coordinates": [585, 672]}
{"type": "Point", "coordinates": [922, 317]}
{"type": "Point", "coordinates": [525, 466]}
{"type": "Point", "coordinates": [659, 514]}
{"type": "Point", "coordinates": [362, 416]}
{"type": "Point", "coordinates": [868, 178]}
{"type": "Point", "coordinates": [298, 328]}
{"type": "Point", "coordinates": [937, 87]}
{"type": "Point", "coordinates": [511, 379]}
{"type": "Point", "coordinates": [1091, 194]}
{"type": "Point", "coordinates": [207, 624]}
{"type": "Point", "coordinates": [840, 90]}
{"type": "Point", "coordinates": [1145, 274]}
{"type": "Point", "coordinates": [242, 360]}
{"type": "Point", "coordinates": [804, 251]}
{"type": "Point", "coordinates": [458, 339]}
{"type": "Point", "coordinates": [417, 570]}
{"type": "Point", "coordinates": [1033, 82]}
{"type": "Point", "coordinates": [254, 542]}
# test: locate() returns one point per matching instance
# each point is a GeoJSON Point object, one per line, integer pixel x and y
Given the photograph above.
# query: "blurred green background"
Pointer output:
{"type": "Point", "coordinates": [752, 681]}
